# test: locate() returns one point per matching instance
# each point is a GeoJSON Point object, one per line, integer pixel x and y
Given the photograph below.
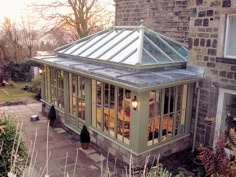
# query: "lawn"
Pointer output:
{"type": "Point", "coordinates": [10, 94]}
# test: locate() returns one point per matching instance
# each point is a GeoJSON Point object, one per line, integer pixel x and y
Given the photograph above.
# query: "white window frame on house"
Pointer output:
{"type": "Point", "coordinates": [227, 36]}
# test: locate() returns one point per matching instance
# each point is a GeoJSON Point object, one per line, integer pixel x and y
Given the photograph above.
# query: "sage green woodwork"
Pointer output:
{"type": "Point", "coordinates": [162, 113]}
{"type": "Point", "coordinates": [189, 107]}
{"type": "Point", "coordinates": [139, 122]}
{"type": "Point", "coordinates": [88, 101]}
{"type": "Point", "coordinates": [116, 119]}
{"type": "Point", "coordinates": [66, 96]}
{"type": "Point", "coordinates": [43, 83]}
{"type": "Point", "coordinates": [138, 118]}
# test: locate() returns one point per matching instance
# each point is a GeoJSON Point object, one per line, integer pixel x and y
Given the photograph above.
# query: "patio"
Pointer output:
{"type": "Point", "coordinates": [60, 143]}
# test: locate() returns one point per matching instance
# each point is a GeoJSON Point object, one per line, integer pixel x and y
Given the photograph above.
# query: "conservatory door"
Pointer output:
{"type": "Point", "coordinates": [76, 117]}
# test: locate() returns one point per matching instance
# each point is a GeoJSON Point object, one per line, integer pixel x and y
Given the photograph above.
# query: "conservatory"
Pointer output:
{"type": "Point", "coordinates": [130, 86]}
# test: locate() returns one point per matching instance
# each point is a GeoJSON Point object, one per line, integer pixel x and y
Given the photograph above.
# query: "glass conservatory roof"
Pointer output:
{"type": "Point", "coordinates": [139, 79]}
{"type": "Point", "coordinates": [127, 45]}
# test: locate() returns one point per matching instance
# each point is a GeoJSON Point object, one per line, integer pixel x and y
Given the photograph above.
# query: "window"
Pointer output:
{"type": "Point", "coordinates": [111, 110]}
{"type": "Point", "coordinates": [230, 42]}
{"type": "Point", "coordinates": [167, 108]}
{"type": "Point", "coordinates": [54, 86]}
{"type": "Point", "coordinates": [77, 96]}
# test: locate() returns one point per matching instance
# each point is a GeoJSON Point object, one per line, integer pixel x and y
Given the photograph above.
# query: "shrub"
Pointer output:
{"type": "Point", "coordinates": [36, 84]}
{"type": "Point", "coordinates": [36, 87]}
{"type": "Point", "coordinates": [18, 71]}
{"type": "Point", "coordinates": [84, 135]}
{"type": "Point", "coordinates": [216, 163]}
{"type": "Point", "coordinates": [12, 84]}
{"type": "Point", "coordinates": [52, 113]}
{"type": "Point", "coordinates": [8, 139]}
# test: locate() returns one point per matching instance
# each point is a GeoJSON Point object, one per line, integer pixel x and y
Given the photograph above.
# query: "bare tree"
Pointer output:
{"type": "Point", "coordinates": [11, 38]}
{"type": "Point", "coordinates": [86, 16]}
{"type": "Point", "coordinates": [28, 34]}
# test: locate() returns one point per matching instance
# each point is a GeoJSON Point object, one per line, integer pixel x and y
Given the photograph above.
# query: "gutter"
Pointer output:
{"type": "Point", "coordinates": [196, 117]}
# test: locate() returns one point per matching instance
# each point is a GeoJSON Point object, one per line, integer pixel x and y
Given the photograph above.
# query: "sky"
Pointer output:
{"type": "Point", "coordinates": [15, 9]}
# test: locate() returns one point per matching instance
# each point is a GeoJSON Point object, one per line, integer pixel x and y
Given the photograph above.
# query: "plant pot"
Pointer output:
{"type": "Point", "coordinates": [51, 122]}
{"type": "Point", "coordinates": [84, 145]}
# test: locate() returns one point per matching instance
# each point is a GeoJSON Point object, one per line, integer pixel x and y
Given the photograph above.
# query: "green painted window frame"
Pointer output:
{"type": "Point", "coordinates": [54, 89]}
{"type": "Point", "coordinates": [76, 87]}
{"type": "Point", "coordinates": [167, 116]}
{"type": "Point", "coordinates": [103, 107]}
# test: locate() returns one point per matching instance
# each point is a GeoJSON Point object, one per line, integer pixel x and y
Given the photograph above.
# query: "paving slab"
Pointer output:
{"type": "Point", "coordinates": [87, 151]}
{"type": "Point", "coordinates": [60, 143]}
{"type": "Point", "coordinates": [96, 157]}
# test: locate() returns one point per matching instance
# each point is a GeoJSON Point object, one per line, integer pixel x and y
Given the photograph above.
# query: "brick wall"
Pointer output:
{"type": "Point", "coordinates": [206, 43]}
{"type": "Point", "coordinates": [169, 17]}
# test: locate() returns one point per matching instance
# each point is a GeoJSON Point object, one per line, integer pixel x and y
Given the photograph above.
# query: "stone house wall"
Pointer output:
{"type": "Point", "coordinates": [206, 43]}
{"type": "Point", "coordinates": [169, 17]}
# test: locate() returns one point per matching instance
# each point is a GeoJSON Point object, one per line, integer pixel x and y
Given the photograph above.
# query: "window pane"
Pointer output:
{"type": "Point", "coordinates": [230, 49]}
{"type": "Point", "coordinates": [167, 116]}
{"type": "Point", "coordinates": [99, 104]}
{"type": "Point", "coordinates": [154, 116]}
{"type": "Point", "coordinates": [72, 91]}
{"type": "Point", "coordinates": [81, 98]}
{"type": "Point", "coordinates": [94, 97]}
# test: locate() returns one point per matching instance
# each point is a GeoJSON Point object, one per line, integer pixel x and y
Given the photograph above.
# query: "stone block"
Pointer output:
{"type": "Point", "coordinates": [230, 75]}
{"type": "Point", "coordinates": [211, 65]}
{"type": "Point", "coordinates": [196, 42]}
{"type": "Point", "coordinates": [202, 14]}
{"type": "Point", "coordinates": [222, 73]}
{"type": "Point", "coordinates": [198, 22]}
{"type": "Point", "coordinates": [214, 43]}
{"type": "Point", "coordinates": [206, 58]}
{"type": "Point", "coordinates": [212, 52]}
{"type": "Point", "coordinates": [193, 12]}
{"type": "Point", "coordinates": [215, 3]}
{"type": "Point", "coordinates": [208, 43]}
{"type": "Point", "coordinates": [199, 2]}
{"type": "Point", "coordinates": [202, 42]}
{"type": "Point", "coordinates": [206, 22]}
{"type": "Point", "coordinates": [210, 13]}
{"type": "Point", "coordinates": [226, 3]}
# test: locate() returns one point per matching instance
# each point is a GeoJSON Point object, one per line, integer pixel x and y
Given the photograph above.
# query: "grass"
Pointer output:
{"type": "Point", "coordinates": [9, 93]}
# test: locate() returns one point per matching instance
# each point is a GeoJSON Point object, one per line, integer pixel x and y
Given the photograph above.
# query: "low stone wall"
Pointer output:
{"type": "Point", "coordinates": [116, 151]}
{"type": "Point", "coordinates": [124, 155]}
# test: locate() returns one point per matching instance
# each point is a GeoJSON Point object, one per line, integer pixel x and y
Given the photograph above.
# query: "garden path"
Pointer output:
{"type": "Point", "coordinates": [60, 143]}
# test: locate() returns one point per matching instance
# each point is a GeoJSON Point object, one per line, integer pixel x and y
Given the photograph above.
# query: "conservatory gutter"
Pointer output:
{"type": "Point", "coordinates": [116, 81]}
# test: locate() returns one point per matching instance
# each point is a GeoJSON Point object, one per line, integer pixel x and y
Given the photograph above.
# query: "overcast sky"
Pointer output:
{"type": "Point", "coordinates": [15, 9]}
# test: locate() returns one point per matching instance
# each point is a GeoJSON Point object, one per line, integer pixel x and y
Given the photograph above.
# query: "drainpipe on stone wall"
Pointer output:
{"type": "Point", "coordinates": [196, 117]}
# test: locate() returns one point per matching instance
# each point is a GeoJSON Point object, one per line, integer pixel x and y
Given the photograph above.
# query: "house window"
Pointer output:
{"type": "Point", "coordinates": [54, 87]}
{"type": "Point", "coordinates": [230, 42]}
{"type": "Point", "coordinates": [111, 110]}
{"type": "Point", "coordinates": [77, 96]}
{"type": "Point", "coordinates": [167, 108]}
